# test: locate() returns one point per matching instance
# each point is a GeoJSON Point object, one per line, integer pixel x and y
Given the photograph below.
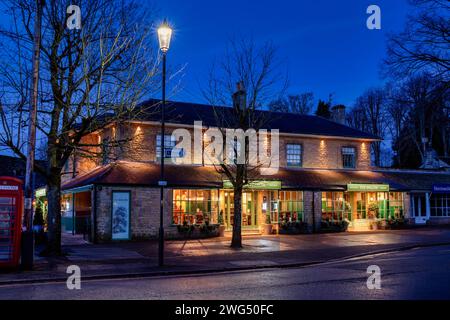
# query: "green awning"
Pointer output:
{"type": "Point", "coordinates": [256, 185]}
{"type": "Point", "coordinates": [78, 190]}
{"type": "Point", "coordinates": [358, 187]}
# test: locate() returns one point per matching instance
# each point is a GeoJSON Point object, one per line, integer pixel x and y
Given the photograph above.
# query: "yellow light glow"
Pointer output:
{"type": "Point", "coordinates": [164, 36]}
{"type": "Point", "coordinates": [323, 154]}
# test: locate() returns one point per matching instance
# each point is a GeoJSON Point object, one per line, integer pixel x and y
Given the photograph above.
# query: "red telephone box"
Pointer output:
{"type": "Point", "coordinates": [11, 209]}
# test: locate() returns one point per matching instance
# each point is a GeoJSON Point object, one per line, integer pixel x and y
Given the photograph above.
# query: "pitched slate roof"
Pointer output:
{"type": "Point", "coordinates": [186, 113]}
{"type": "Point", "coordinates": [148, 174]}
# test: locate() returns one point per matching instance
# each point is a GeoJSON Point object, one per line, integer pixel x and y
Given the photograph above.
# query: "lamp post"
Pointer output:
{"type": "Point", "coordinates": [164, 36]}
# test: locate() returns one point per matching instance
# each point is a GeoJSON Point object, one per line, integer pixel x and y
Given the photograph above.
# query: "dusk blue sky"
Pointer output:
{"type": "Point", "coordinates": [325, 43]}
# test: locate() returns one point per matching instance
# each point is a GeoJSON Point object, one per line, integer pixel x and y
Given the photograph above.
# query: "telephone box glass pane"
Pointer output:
{"type": "Point", "coordinates": [7, 218]}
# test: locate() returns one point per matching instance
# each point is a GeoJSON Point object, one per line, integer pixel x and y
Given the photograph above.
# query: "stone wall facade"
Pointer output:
{"type": "Point", "coordinates": [139, 144]}
{"type": "Point", "coordinates": [144, 215]}
{"type": "Point", "coordinates": [325, 153]}
{"type": "Point", "coordinates": [312, 206]}
{"type": "Point", "coordinates": [145, 211]}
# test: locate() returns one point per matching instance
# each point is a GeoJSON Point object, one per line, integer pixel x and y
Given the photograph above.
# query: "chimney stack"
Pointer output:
{"type": "Point", "coordinates": [338, 114]}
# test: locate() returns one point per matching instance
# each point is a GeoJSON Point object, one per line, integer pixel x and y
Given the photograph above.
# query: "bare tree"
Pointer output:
{"type": "Point", "coordinates": [259, 76]}
{"type": "Point", "coordinates": [369, 114]}
{"type": "Point", "coordinates": [299, 104]}
{"type": "Point", "coordinates": [397, 112]}
{"type": "Point", "coordinates": [89, 77]}
{"type": "Point", "coordinates": [424, 45]}
{"type": "Point", "coordinates": [425, 100]}
{"type": "Point", "coordinates": [356, 118]}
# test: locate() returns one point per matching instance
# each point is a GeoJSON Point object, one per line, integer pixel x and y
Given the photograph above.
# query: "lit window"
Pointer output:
{"type": "Point", "coordinates": [169, 147]}
{"type": "Point", "coordinates": [192, 207]}
{"type": "Point", "coordinates": [349, 157]}
{"type": "Point", "coordinates": [336, 206]}
{"type": "Point", "coordinates": [290, 207]}
{"type": "Point", "coordinates": [294, 155]}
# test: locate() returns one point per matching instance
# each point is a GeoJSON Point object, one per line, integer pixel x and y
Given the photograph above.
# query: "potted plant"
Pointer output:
{"type": "Point", "coordinates": [374, 225]}
{"type": "Point", "coordinates": [384, 224]}
{"type": "Point", "coordinates": [373, 210]}
{"type": "Point", "coordinates": [344, 225]}
{"type": "Point", "coordinates": [221, 225]}
{"type": "Point", "coordinates": [268, 225]}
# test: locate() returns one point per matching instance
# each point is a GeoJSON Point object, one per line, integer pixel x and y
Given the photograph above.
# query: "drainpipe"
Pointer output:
{"type": "Point", "coordinates": [73, 214]}
{"type": "Point", "coordinates": [94, 214]}
{"type": "Point", "coordinates": [314, 212]}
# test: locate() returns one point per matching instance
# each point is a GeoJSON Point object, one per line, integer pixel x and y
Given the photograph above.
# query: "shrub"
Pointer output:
{"type": "Point", "coordinates": [293, 227]}
{"type": "Point", "coordinates": [207, 228]}
{"type": "Point", "coordinates": [337, 226]}
{"type": "Point", "coordinates": [220, 218]}
{"type": "Point", "coordinates": [185, 228]}
{"type": "Point", "coordinates": [344, 225]}
{"type": "Point", "coordinates": [38, 219]}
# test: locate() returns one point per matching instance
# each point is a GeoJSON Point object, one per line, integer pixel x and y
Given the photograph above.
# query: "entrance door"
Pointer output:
{"type": "Point", "coordinates": [249, 216]}
{"type": "Point", "coordinates": [419, 207]}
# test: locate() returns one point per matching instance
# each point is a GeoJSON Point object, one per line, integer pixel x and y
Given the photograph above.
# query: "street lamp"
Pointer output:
{"type": "Point", "coordinates": [164, 36]}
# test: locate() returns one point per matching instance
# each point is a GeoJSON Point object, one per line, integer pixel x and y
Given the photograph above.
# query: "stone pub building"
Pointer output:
{"type": "Point", "coordinates": [325, 177]}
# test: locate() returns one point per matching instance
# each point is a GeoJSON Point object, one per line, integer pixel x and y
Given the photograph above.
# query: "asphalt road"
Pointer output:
{"type": "Point", "coordinates": [414, 274]}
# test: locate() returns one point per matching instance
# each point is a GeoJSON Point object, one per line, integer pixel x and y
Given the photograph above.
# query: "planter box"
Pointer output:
{"type": "Point", "coordinates": [267, 229]}
{"type": "Point", "coordinates": [221, 231]}
{"type": "Point", "coordinates": [294, 228]}
{"type": "Point", "coordinates": [333, 228]}
{"type": "Point", "coordinates": [393, 225]}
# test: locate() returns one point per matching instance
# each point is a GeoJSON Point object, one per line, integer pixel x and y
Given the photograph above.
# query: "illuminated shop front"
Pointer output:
{"type": "Point", "coordinates": [198, 197]}
{"type": "Point", "coordinates": [362, 202]}
{"type": "Point", "coordinates": [359, 202]}
{"type": "Point", "coordinates": [260, 199]}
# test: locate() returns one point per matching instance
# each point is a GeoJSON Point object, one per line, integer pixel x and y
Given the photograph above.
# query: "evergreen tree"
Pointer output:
{"type": "Point", "coordinates": [323, 109]}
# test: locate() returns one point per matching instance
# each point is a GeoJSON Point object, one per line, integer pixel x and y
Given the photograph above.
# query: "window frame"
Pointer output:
{"type": "Point", "coordinates": [354, 157]}
{"type": "Point", "coordinates": [167, 147]}
{"type": "Point", "coordinates": [439, 205]}
{"type": "Point", "coordinates": [191, 202]}
{"type": "Point", "coordinates": [292, 164]}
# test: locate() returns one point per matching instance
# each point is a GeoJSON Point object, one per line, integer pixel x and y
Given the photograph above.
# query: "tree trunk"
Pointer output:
{"type": "Point", "coordinates": [236, 241]}
{"type": "Point", "coordinates": [54, 216]}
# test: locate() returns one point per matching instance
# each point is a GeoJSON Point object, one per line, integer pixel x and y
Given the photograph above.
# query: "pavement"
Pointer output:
{"type": "Point", "coordinates": [139, 259]}
{"type": "Point", "coordinates": [420, 273]}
